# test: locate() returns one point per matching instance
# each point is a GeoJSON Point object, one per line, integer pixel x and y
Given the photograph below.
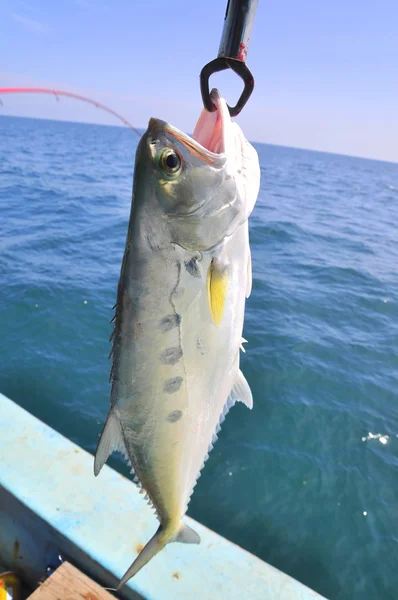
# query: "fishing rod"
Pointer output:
{"type": "Point", "coordinates": [232, 53]}
{"type": "Point", "coordinates": [57, 93]}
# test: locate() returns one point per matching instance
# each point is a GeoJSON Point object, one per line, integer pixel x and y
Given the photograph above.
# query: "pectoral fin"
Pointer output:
{"type": "Point", "coordinates": [217, 286]}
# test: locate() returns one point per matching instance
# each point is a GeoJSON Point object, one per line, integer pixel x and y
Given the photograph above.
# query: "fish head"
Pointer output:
{"type": "Point", "coordinates": [205, 185]}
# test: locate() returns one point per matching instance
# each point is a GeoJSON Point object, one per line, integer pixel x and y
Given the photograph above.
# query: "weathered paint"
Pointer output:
{"type": "Point", "coordinates": [51, 503]}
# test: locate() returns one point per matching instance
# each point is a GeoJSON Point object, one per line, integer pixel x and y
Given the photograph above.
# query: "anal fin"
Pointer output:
{"type": "Point", "coordinates": [249, 275]}
{"type": "Point", "coordinates": [241, 392]}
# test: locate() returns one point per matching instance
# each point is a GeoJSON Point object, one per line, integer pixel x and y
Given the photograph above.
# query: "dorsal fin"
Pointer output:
{"type": "Point", "coordinates": [111, 440]}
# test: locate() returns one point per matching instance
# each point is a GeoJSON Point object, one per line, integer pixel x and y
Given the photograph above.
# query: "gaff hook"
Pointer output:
{"type": "Point", "coordinates": [238, 22]}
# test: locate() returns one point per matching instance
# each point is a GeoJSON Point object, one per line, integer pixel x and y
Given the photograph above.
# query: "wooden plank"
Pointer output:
{"type": "Point", "coordinates": [68, 583]}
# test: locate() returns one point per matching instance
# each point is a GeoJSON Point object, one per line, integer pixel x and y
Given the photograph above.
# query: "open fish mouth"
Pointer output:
{"type": "Point", "coordinates": [209, 141]}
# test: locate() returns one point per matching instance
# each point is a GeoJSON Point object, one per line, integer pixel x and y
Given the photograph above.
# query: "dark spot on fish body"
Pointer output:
{"type": "Point", "coordinates": [174, 416]}
{"type": "Point", "coordinates": [200, 346]}
{"type": "Point", "coordinates": [172, 385]}
{"type": "Point", "coordinates": [153, 246]}
{"type": "Point", "coordinates": [176, 575]}
{"type": "Point", "coordinates": [192, 267]}
{"type": "Point", "coordinates": [170, 322]}
{"type": "Point", "coordinates": [170, 356]}
{"type": "Point", "coordinates": [139, 548]}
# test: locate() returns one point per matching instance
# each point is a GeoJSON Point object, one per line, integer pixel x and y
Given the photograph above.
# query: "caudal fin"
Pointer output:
{"type": "Point", "coordinates": [184, 534]}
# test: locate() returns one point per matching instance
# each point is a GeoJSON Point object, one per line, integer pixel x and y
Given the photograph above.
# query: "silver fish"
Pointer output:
{"type": "Point", "coordinates": [185, 275]}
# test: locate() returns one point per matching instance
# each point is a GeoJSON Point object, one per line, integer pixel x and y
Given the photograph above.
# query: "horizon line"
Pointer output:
{"type": "Point", "coordinates": [143, 129]}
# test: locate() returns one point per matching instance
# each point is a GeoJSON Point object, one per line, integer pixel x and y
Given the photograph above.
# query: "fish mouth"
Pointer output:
{"type": "Point", "coordinates": [209, 141]}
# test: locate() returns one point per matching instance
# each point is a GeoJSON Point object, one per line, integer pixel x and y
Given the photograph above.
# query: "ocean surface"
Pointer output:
{"type": "Point", "coordinates": [308, 480]}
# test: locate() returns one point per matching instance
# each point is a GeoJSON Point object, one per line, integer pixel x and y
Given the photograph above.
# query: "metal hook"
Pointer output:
{"type": "Point", "coordinates": [221, 64]}
{"type": "Point", "coordinates": [239, 18]}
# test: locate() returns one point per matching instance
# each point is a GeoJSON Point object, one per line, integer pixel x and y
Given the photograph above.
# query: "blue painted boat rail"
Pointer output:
{"type": "Point", "coordinates": [51, 504]}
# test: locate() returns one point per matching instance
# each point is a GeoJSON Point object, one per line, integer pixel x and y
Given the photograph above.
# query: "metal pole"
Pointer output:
{"type": "Point", "coordinates": [238, 23]}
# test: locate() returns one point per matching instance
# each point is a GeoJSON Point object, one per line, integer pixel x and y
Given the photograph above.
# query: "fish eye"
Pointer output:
{"type": "Point", "coordinates": [170, 162]}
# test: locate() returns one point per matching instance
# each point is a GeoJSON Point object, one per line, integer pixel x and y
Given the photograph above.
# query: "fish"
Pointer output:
{"type": "Point", "coordinates": [185, 277]}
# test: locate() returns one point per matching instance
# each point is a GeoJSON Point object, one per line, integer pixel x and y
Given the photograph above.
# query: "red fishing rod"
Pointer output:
{"type": "Point", "coordinates": [57, 93]}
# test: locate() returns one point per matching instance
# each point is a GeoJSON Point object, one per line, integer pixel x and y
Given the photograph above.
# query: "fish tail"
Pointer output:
{"type": "Point", "coordinates": [155, 545]}
{"type": "Point", "coordinates": [183, 533]}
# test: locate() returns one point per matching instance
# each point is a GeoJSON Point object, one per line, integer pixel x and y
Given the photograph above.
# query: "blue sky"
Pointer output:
{"type": "Point", "coordinates": [326, 72]}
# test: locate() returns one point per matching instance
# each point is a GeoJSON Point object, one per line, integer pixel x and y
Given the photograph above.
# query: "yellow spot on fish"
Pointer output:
{"type": "Point", "coordinates": [217, 285]}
